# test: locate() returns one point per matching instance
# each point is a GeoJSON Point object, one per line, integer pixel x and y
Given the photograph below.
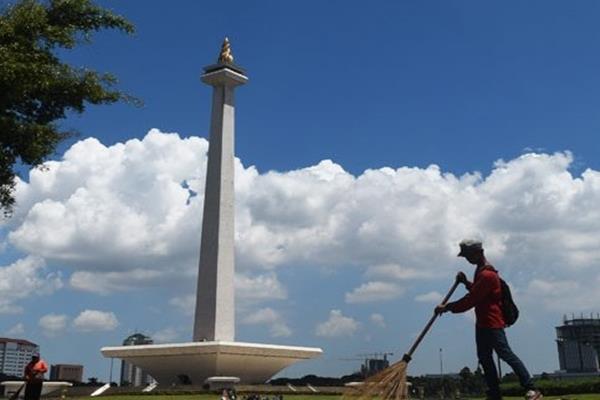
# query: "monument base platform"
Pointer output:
{"type": "Point", "coordinates": [194, 362]}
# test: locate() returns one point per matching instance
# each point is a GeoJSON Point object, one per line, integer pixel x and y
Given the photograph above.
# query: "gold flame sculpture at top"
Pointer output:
{"type": "Point", "coordinates": [226, 57]}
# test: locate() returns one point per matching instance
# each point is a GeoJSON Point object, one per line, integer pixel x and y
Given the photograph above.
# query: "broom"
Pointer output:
{"type": "Point", "coordinates": [390, 384]}
{"type": "Point", "coordinates": [16, 394]}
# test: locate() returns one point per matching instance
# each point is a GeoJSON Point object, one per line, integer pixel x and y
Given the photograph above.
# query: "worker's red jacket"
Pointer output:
{"type": "Point", "coordinates": [485, 294]}
{"type": "Point", "coordinates": [36, 370]}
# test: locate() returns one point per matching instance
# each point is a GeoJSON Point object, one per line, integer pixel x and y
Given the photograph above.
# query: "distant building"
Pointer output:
{"type": "Point", "coordinates": [372, 366]}
{"type": "Point", "coordinates": [372, 363]}
{"type": "Point", "coordinates": [130, 374]}
{"type": "Point", "coordinates": [66, 372]}
{"type": "Point", "coordinates": [15, 354]}
{"type": "Point", "coordinates": [578, 341]}
{"type": "Point", "coordinates": [453, 376]}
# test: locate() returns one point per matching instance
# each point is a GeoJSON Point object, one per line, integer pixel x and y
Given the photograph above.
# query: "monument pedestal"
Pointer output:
{"type": "Point", "coordinates": [194, 362]}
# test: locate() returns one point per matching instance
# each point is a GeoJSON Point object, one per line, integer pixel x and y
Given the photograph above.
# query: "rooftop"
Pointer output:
{"type": "Point", "coordinates": [18, 341]}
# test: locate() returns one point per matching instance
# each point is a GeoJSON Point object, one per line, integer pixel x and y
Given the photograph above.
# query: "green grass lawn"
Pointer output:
{"type": "Point", "coordinates": [593, 396]}
{"type": "Point", "coordinates": [313, 397]}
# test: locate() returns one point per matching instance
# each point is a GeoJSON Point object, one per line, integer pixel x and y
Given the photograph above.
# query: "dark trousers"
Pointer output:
{"type": "Point", "coordinates": [33, 389]}
{"type": "Point", "coordinates": [490, 340]}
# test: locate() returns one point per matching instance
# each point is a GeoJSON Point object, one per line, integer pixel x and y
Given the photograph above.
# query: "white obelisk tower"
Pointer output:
{"type": "Point", "coordinates": [215, 302]}
{"type": "Point", "coordinates": [214, 353]}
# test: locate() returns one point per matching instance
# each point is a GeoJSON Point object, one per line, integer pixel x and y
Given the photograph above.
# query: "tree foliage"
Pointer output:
{"type": "Point", "coordinates": [556, 386]}
{"type": "Point", "coordinates": [36, 88]}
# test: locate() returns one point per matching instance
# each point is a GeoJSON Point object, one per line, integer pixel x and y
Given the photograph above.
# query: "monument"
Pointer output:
{"type": "Point", "coordinates": [214, 317]}
{"type": "Point", "coordinates": [214, 353]}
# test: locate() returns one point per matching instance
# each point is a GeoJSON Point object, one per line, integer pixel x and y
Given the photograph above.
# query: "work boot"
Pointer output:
{"type": "Point", "coordinates": [533, 395]}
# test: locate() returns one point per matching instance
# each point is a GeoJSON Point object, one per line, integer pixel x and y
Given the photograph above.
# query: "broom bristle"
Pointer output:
{"type": "Point", "coordinates": [389, 384]}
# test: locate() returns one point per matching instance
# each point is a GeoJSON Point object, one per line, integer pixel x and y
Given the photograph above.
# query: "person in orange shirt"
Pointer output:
{"type": "Point", "coordinates": [34, 377]}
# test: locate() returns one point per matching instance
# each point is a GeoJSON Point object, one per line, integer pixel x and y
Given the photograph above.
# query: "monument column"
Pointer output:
{"type": "Point", "coordinates": [215, 300]}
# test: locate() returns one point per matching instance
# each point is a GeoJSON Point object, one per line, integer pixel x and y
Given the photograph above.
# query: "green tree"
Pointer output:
{"type": "Point", "coordinates": [37, 89]}
{"type": "Point", "coordinates": [465, 373]}
{"type": "Point", "coordinates": [510, 377]}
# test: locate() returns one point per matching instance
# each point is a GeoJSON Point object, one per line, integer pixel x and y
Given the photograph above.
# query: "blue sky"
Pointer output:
{"type": "Point", "coordinates": [384, 91]}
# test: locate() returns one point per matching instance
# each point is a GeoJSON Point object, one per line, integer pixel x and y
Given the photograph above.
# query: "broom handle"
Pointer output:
{"type": "Point", "coordinates": [408, 356]}
{"type": "Point", "coordinates": [16, 394]}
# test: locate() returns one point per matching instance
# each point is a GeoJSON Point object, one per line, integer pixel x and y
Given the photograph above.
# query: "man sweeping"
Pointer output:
{"type": "Point", "coordinates": [485, 294]}
{"type": "Point", "coordinates": [34, 377]}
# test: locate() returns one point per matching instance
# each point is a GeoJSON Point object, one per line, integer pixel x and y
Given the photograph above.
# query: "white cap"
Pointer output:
{"type": "Point", "coordinates": [469, 246]}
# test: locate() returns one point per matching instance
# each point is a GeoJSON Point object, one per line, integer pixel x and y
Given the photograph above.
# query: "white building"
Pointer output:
{"type": "Point", "coordinates": [578, 341]}
{"type": "Point", "coordinates": [132, 375]}
{"type": "Point", "coordinates": [15, 354]}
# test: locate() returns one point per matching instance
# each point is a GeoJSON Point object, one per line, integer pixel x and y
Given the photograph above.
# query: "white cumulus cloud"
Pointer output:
{"type": "Point", "coordinates": [430, 297]}
{"type": "Point", "coordinates": [271, 318]}
{"type": "Point", "coordinates": [25, 278]}
{"type": "Point", "coordinates": [106, 282]}
{"type": "Point", "coordinates": [118, 215]}
{"type": "Point", "coordinates": [249, 289]}
{"type": "Point", "coordinates": [396, 272]}
{"type": "Point", "coordinates": [377, 320]}
{"type": "Point", "coordinates": [564, 295]}
{"type": "Point", "coordinates": [373, 292]}
{"type": "Point", "coordinates": [52, 324]}
{"type": "Point", "coordinates": [15, 330]}
{"type": "Point", "coordinates": [94, 320]}
{"type": "Point", "coordinates": [337, 325]}
{"type": "Point", "coordinates": [128, 215]}
{"type": "Point", "coordinates": [166, 335]}
{"type": "Point", "coordinates": [259, 287]}
{"type": "Point", "coordinates": [186, 304]}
